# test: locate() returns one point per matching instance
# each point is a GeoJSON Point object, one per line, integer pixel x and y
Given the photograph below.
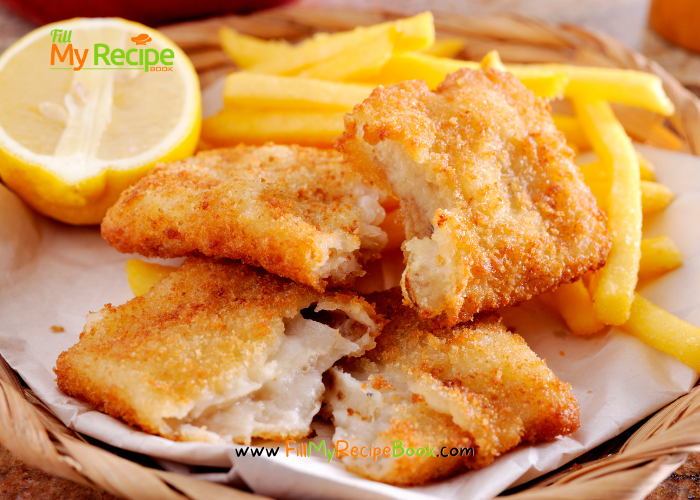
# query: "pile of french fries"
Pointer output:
{"type": "Point", "coordinates": [300, 93]}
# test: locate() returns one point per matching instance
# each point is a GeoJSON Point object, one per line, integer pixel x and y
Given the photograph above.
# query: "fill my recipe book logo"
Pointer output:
{"type": "Point", "coordinates": [65, 56]}
{"type": "Point", "coordinates": [343, 449]}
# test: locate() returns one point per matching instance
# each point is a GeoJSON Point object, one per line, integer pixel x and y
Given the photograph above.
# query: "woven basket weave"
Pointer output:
{"type": "Point", "coordinates": [30, 432]}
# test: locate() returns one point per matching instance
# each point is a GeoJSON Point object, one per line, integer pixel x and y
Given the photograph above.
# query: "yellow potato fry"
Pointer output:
{"type": "Point", "coordinates": [492, 61]}
{"type": "Point", "coordinates": [390, 204]}
{"type": "Point", "coordinates": [572, 131]}
{"type": "Point", "coordinates": [574, 148]}
{"type": "Point", "coordinates": [575, 137]}
{"type": "Point", "coordinates": [273, 92]}
{"type": "Point", "coordinates": [143, 275]}
{"type": "Point", "coordinates": [413, 33]}
{"type": "Point", "coordinates": [635, 88]}
{"type": "Point", "coordinates": [417, 66]}
{"type": "Point", "coordinates": [246, 51]}
{"type": "Point", "coordinates": [394, 229]}
{"type": "Point", "coordinates": [595, 173]}
{"type": "Point", "coordinates": [664, 331]}
{"type": "Point", "coordinates": [655, 197]}
{"type": "Point", "coordinates": [576, 307]}
{"type": "Point", "coordinates": [614, 293]}
{"type": "Point", "coordinates": [659, 255]}
{"type": "Point", "coordinates": [445, 47]}
{"type": "Point", "coordinates": [592, 284]}
{"type": "Point", "coordinates": [235, 126]}
{"type": "Point", "coordinates": [203, 146]}
{"type": "Point", "coordinates": [382, 274]}
{"type": "Point", "coordinates": [359, 62]}
{"type": "Point", "coordinates": [596, 178]}
{"type": "Point", "coordinates": [647, 172]}
{"type": "Point", "coordinates": [551, 84]}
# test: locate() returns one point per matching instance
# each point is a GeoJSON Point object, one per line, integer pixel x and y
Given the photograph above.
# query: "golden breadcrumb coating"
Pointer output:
{"type": "Point", "coordinates": [217, 351]}
{"type": "Point", "coordinates": [474, 384]}
{"type": "Point", "coordinates": [297, 212]}
{"type": "Point", "coordinates": [494, 208]}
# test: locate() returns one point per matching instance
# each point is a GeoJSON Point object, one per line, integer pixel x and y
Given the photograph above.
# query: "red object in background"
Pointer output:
{"type": "Point", "coordinates": [149, 12]}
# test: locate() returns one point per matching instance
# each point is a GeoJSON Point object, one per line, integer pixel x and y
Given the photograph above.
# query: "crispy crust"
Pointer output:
{"type": "Point", "coordinates": [206, 327]}
{"type": "Point", "coordinates": [495, 211]}
{"type": "Point", "coordinates": [480, 357]}
{"type": "Point", "coordinates": [279, 207]}
{"type": "Point", "coordinates": [475, 384]}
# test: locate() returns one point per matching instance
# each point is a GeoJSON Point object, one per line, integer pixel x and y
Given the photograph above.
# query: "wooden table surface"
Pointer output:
{"type": "Point", "coordinates": [623, 19]}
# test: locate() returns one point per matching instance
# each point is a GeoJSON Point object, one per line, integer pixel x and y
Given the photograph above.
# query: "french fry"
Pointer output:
{"type": "Point", "coordinates": [614, 293]}
{"type": "Point", "coordinates": [659, 255]}
{"type": "Point", "coordinates": [646, 169]}
{"type": "Point", "coordinates": [359, 62]}
{"type": "Point", "coordinates": [394, 229]}
{"type": "Point", "coordinates": [492, 61]}
{"type": "Point", "coordinates": [576, 137]}
{"type": "Point", "coordinates": [273, 92]}
{"type": "Point", "coordinates": [655, 197]}
{"type": "Point", "coordinates": [143, 275]}
{"type": "Point", "coordinates": [381, 274]}
{"type": "Point", "coordinates": [624, 86]}
{"type": "Point", "coordinates": [572, 131]}
{"type": "Point", "coordinates": [576, 307]}
{"type": "Point", "coordinates": [234, 126]}
{"type": "Point", "coordinates": [445, 47]}
{"type": "Point", "coordinates": [594, 175]}
{"type": "Point", "coordinates": [390, 204]}
{"type": "Point", "coordinates": [246, 51]}
{"type": "Point", "coordinates": [664, 331]}
{"type": "Point", "coordinates": [593, 280]}
{"type": "Point", "coordinates": [417, 66]}
{"type": "Point", "coordinates": [647, 172]}
{"type": "Point", "coordinates": [574, 148]}
{"type": "Point", "coordinates": [412, 33]}
{"type": "Point", "coordinates": [551, 83]}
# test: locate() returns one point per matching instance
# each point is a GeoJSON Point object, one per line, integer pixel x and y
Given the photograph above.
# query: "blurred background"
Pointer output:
{"type": "Point", "coordinates": [626, 20]}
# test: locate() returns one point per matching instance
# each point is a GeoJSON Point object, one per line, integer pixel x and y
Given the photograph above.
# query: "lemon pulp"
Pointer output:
{"type": "Point", "coordinates": [71, 141]}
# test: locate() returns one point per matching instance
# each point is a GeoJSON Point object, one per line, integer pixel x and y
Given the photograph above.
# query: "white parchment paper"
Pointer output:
{"type": "Point", "coordinates": [52, 275]}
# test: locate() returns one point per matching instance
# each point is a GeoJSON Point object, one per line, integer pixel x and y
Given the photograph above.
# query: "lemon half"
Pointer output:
{"type": "Point", "coordinates": [72, 141]}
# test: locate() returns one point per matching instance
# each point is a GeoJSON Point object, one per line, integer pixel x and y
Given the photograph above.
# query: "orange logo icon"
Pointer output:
{"type": "Point", "coordinates": [142, 39]}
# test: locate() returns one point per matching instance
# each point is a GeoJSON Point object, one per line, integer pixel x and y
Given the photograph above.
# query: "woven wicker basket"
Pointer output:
{"type": "Point", "coordinates": [33, 434]}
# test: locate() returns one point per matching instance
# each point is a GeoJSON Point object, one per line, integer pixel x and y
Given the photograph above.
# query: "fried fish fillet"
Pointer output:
{"type": "Point", "coordinates": [473, 385]}
{"type": "Point", "coordinates": [297, 212]}
{"type": "Point", "coordinates": [495, 211]}
{"type": "Point", "coordinates": [217, 351]}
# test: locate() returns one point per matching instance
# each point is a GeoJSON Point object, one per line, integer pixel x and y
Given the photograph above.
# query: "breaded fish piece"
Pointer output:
{"type": "Point", "coordinates": [297, 212]}
{"type": "Point", "coordinates": [217, 351]}
{"type": "Point", "coordinates": [473, 385]}
{"type": "Point", "coordinates": [495, 211]}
